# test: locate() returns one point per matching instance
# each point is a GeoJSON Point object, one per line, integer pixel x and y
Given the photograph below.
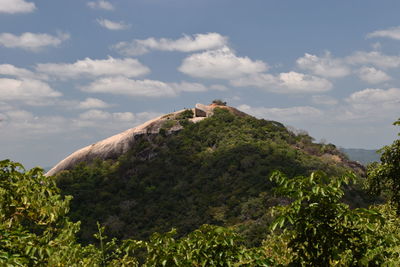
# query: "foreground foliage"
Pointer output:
{"type": "Point", "coordinates": [323, 231]}
{"type": "Point", "coordinates": [318, 230]}
{"type": "Point", "coordinates": [384, 177]}
{"type": "Point", "coordinates": [34, 228]}
{"type": "Point", "coordinates": [35, 231]}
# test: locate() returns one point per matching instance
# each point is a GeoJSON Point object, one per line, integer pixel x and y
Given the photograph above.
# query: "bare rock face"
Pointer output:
{"type": "Point", "coordinates": [201, 110]}
{"type": "Point", "coordinates": [111, 147]}
{"type": "Point", "coordinates": [115, 146]}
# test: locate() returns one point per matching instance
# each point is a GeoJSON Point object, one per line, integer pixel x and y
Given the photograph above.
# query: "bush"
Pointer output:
{"type": "Point", "coordinates": [34, 228]}
{"type": "Point", "coordinates": [187, 114]}
{"type": "Point", "coordinates": [324, 231]}
{"type": "Point", "coordinates": [219, 102]}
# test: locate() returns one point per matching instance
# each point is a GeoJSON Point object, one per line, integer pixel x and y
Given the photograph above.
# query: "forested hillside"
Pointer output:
{"type": "Point", "coordinates": [211, 172]}
{"type": "Point", "coordinates": [300, 218]}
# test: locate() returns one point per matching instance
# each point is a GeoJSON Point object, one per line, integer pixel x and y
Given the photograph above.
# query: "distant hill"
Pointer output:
{"type": "Point", "coordinates": [364, 156]}
{"type": "Point", "coordinates": [207, 165]}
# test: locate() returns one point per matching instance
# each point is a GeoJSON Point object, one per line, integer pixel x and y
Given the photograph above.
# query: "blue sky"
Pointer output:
{"type": "Point", "coordinates": [75, 72]}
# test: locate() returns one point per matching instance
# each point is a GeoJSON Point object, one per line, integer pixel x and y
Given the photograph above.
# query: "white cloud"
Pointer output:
{"type": "Point", "coordinates": [19, 125]}
{"type": "Point", "coordinates": [123, 116]}
{"type": "Point", "coordinates": [242, 71]}
{"type": "Point", "coordinates": [19, 115]}
{"type": "Point", "coordinates": [392, 33]}
{"type": "Point", "coordinates": [375, 58]}
{"type": "Point", "coordinates": [220, 64]}
{"type": "Point", "coordinates": [113, 25]}
{"type": "Point", "coordinates": [5, 106]}
{"type": "Point", "coordinates": [87, 67]}
{"type": "Point", "coordinates": [92, 103]}
{"type": "Point", "coordinates": [146, 88]}
{"type": "Point", "coordinates": [98, 115]}
{"type": "Point", "coordinates": [100, 4]}
{"type": "Point", "coordinates": [373, 99]}
{"type": "Point", "coordinates": [290, 82]}
{"type": "Point", "coordinates": [32, 41]}
{"type": "Point", "coordinates": [11, 70]}
{"type": "Point", "coordinates": [189, 87]}
{"type": "Point", "coordinates": [325, 66]}
{"type": "Point", "coordinates": [32, 92]}
{"type": "Point", "coordinates": [95, 114]}
{"type": "Point", "coordinates": [299, 82]}
{"type": "Point", "coordinates": [372, 75]}
{"type": "Point", "coordinates": [370, 106]}
{"type": "Point", "coordinates": [219, 87]}
{"type": "Point", "coordinates": [16, 6]}
{"type": "Point", "coordinates": [187, 43]}
{"type": "Point", "coordinates": [125, 86]}
{"type": "Point", "coordinates": [284, 115]}
{"type": "Point", "coordinates": [324, 100]}
{"type": "Point", "coordinates": [147, 115]}
{"type": "Point", "coordinates": [110, 122]}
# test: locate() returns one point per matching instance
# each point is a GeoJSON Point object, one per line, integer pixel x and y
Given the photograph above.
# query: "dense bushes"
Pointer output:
{"type": "Point", "coordinates": [35, 231]}
{"type": "Point", "coordinates": [318, 230]}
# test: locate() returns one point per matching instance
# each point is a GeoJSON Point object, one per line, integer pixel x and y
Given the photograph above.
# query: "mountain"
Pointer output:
{"type": "Point", "coordinates": [115, 146]}
{"type": "Point", "coordinates": [206, 165]}
{"type": "Point", "coordinates": [364, 156]}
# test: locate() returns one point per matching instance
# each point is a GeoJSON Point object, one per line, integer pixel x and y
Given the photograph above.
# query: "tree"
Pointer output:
{"type": "Point", "coordinates": [207, 246]}
{"type": "Point", "coordinates": [384, 177]}
{"type": "Point", "coordinates": [219, 102]}
{"type": "Point", "coordinates": [34, 229]}
{"type": "Point", "coordinates": [321, 230]}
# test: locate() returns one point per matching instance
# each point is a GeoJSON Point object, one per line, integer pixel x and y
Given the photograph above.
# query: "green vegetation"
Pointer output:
{"type": "Point", "coordinates": [211, 172]}
{"type": "Point", "coordinates": [219, 102]}
{"type": "Point", "coordinates": [209, 180]}
{"type": "Point", "coordinates": [186, 114]}
{"type": "Point", "coordinates": [35, 231]}
{"type": "Point", "coordinates": [318, 230]}
{"type": "Point", "coordinates": [384, 177]}
{"type": "Point", "coordinates": [324, 231]}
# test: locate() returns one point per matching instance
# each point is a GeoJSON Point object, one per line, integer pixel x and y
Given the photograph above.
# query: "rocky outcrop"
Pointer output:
{"type": "Point", "coordinates": [201, 110]}
{"type": "Point", "coordinates": [115, 146]}
{"type": "Point", "coordinates": [111, 147]}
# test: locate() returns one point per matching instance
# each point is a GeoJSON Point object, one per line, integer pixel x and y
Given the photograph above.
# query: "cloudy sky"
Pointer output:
{"type": "Point", "coordinates": [75, 72]}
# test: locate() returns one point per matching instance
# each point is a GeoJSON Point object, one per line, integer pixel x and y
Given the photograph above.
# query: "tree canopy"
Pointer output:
{"type": "Point", "coordinates": [384, 177]}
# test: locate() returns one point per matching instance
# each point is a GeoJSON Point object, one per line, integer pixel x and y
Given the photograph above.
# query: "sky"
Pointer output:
{"type": "Point", "coordinates": [75, 72]}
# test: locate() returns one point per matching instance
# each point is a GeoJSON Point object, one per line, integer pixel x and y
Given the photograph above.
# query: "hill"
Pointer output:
{"type": "Point", "coordinates": [186, 172]}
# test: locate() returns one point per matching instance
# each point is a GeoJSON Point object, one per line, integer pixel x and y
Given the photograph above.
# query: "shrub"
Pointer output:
{"type": "Point", "coordinates": [219, 102]}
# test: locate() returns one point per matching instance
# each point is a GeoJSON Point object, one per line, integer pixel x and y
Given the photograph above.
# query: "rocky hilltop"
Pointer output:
{"type": "Point", "coordinates": [114, 146]}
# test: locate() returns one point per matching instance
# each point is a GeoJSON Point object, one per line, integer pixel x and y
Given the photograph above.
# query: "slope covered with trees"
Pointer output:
{"type": "Point", "coordinates": [211, 172]}
{"type": "Point", "coordinates": [318, 230]}
{"type": "Point", "coordinates": [311, 227]}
